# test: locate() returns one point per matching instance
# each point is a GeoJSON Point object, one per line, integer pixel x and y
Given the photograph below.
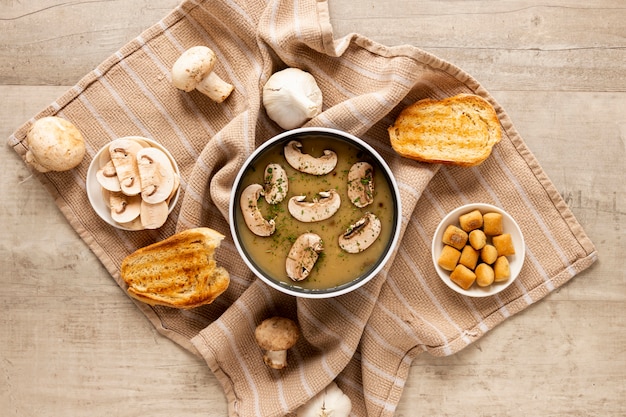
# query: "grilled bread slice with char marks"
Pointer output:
{"type": "Point", "coordinates": [459, 130]}
{"type": "Point", "coordinates": [178, 272]}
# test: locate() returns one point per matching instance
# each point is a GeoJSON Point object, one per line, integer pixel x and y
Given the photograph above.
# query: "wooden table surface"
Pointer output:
{"type": "Point", "coordinates": [72, 343]}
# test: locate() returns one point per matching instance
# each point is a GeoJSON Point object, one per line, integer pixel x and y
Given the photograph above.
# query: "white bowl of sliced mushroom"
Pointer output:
{"type": "Point", "coordinates": [315, 212]}
{"type": "Point", "coordinates": [133, 183]}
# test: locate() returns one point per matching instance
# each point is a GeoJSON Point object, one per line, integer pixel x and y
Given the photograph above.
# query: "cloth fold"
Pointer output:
{"type": "Point", "coordinates": [364, 340]}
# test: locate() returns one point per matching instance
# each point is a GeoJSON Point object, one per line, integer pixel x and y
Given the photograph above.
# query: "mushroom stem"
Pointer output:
{"type": "Point", "coordinates": [275, 359]}
{"type": "Point", "coordinates": [215, 88]}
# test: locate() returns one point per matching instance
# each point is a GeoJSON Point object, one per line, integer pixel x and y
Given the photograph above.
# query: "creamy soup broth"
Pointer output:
{"type": "Point", "coordinates": [334, 267]}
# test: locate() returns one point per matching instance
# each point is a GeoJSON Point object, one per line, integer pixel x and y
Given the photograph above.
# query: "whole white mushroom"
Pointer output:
{"type": "Point", "coordinates": [54, 144]}
{"type": "Point", "coordinates": [194, 70]}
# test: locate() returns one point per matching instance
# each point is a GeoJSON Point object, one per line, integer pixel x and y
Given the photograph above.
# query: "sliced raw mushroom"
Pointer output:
{"type": "Point", "coordinates": [361, 234]}
{"type": "Point", "coordinates": [252, 215]}
{"type": "Point", "coordinates": [307, 163]}
{"type": "Point", "coordinates": [156, 175]}
{"type": "Point", "coordinates": [107, 177]}
{"type": "Point", "coordinates": [153, 216]}
{"type": "Point", "coordinates": [142, 141]}
{"type": "Point", "coordinates": [133, 224]}
{"type": "Point", "coordinates": [124, 156]}
{"type": "Point", "coordinates": [133, 160]}
{"type": "Point", "coordinates": [176, 185]}
{"type": "Point", "coordinates": [303, 255]}
{"type": "Point", "coordinates": [276, 183]}
{"type": "Point", "coordinates": [104, 158]}
{"type": "Point", "coordinates": [124, 208]}
{"type": "Point", "coordinates": [106, 196]}
{"type": "Point", "coordinates": [361, 184]}
{"type": "Point", "coordinates": [317, 210]}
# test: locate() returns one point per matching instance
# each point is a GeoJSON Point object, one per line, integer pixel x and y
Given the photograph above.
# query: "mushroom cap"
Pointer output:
{"type": "Point", "coordinates": [276, 333]}
{"type": "Point", "coordinates": [192, 67]}
{"type": "Point", "coordinates": [55, 144]}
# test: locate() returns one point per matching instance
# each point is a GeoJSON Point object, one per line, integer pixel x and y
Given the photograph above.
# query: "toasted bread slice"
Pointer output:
{"type": "Point", "coordinates": [178, 272]}
{"type": "Point", "coordinates": [459, 130]}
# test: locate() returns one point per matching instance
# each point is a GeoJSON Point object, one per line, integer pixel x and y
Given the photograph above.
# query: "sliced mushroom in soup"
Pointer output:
{"type": "Point", "coordinates": [307, 163]}
{"type": "Point", "coordinates": [252, 215]}
{"type": "Point", "coordinates": [319, 209]}
{"type": "Point", "coordinates": [361, 234]}
{"type": "Point", "coordinates": [276, 183]}
{"type": "Point", "coordinates": [361, 184]}
{"type": "Point", "coordinates": [303, 255]}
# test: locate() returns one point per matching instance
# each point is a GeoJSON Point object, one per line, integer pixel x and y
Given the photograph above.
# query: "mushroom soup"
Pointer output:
{"type": "Point", "coordinates": [320, 208]}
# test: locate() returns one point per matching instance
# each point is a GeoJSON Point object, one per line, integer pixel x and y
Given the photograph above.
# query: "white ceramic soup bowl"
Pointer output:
{"type": "Point", "coordinates": [266, 256]}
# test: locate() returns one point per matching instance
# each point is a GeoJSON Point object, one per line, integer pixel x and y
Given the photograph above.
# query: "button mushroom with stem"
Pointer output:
{"type": "Point", "coordinates": [361, 234]}
{"type": "Point", "coordinates": [251, 214]}
{"type": "Point", "coordinates": [330, 402]}
{"type": "Point", "coordinates": [275, 335]}
{"type": "Point", "coordinates": [123, 153]}
{"type": "Point", "coordinates": [307, 163]}
{"type": "Point", "coordinates": [303, 255]}
{"type": "Point", "coordinates": [156, 174]}
{"type": "Point", "coordinates": [54, 144]}
{"type": "Point", "coordinates": [194, 70]}
{"type": "Point", "coordinates": [361, 184]}
{"type": "Point", "coordinates": [317, 210]}
{"type": "Point", "coordinates": [276, 183]}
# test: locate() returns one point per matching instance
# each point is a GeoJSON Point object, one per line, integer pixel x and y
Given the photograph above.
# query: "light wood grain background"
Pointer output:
{"type": "Point", "coordinates": [72, 343]}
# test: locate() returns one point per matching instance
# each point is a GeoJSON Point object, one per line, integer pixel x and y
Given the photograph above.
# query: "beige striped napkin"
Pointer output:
{"type": "Point", "coordinates": [365, 340]}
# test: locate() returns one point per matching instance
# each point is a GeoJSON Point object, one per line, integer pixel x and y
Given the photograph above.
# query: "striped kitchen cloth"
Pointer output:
{"type": "Point", "coordinates": [365, 340]}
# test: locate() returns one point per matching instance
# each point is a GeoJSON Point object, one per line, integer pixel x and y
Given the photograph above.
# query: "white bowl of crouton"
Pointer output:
{"type": "Point", "coordinates": [478, 250]}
